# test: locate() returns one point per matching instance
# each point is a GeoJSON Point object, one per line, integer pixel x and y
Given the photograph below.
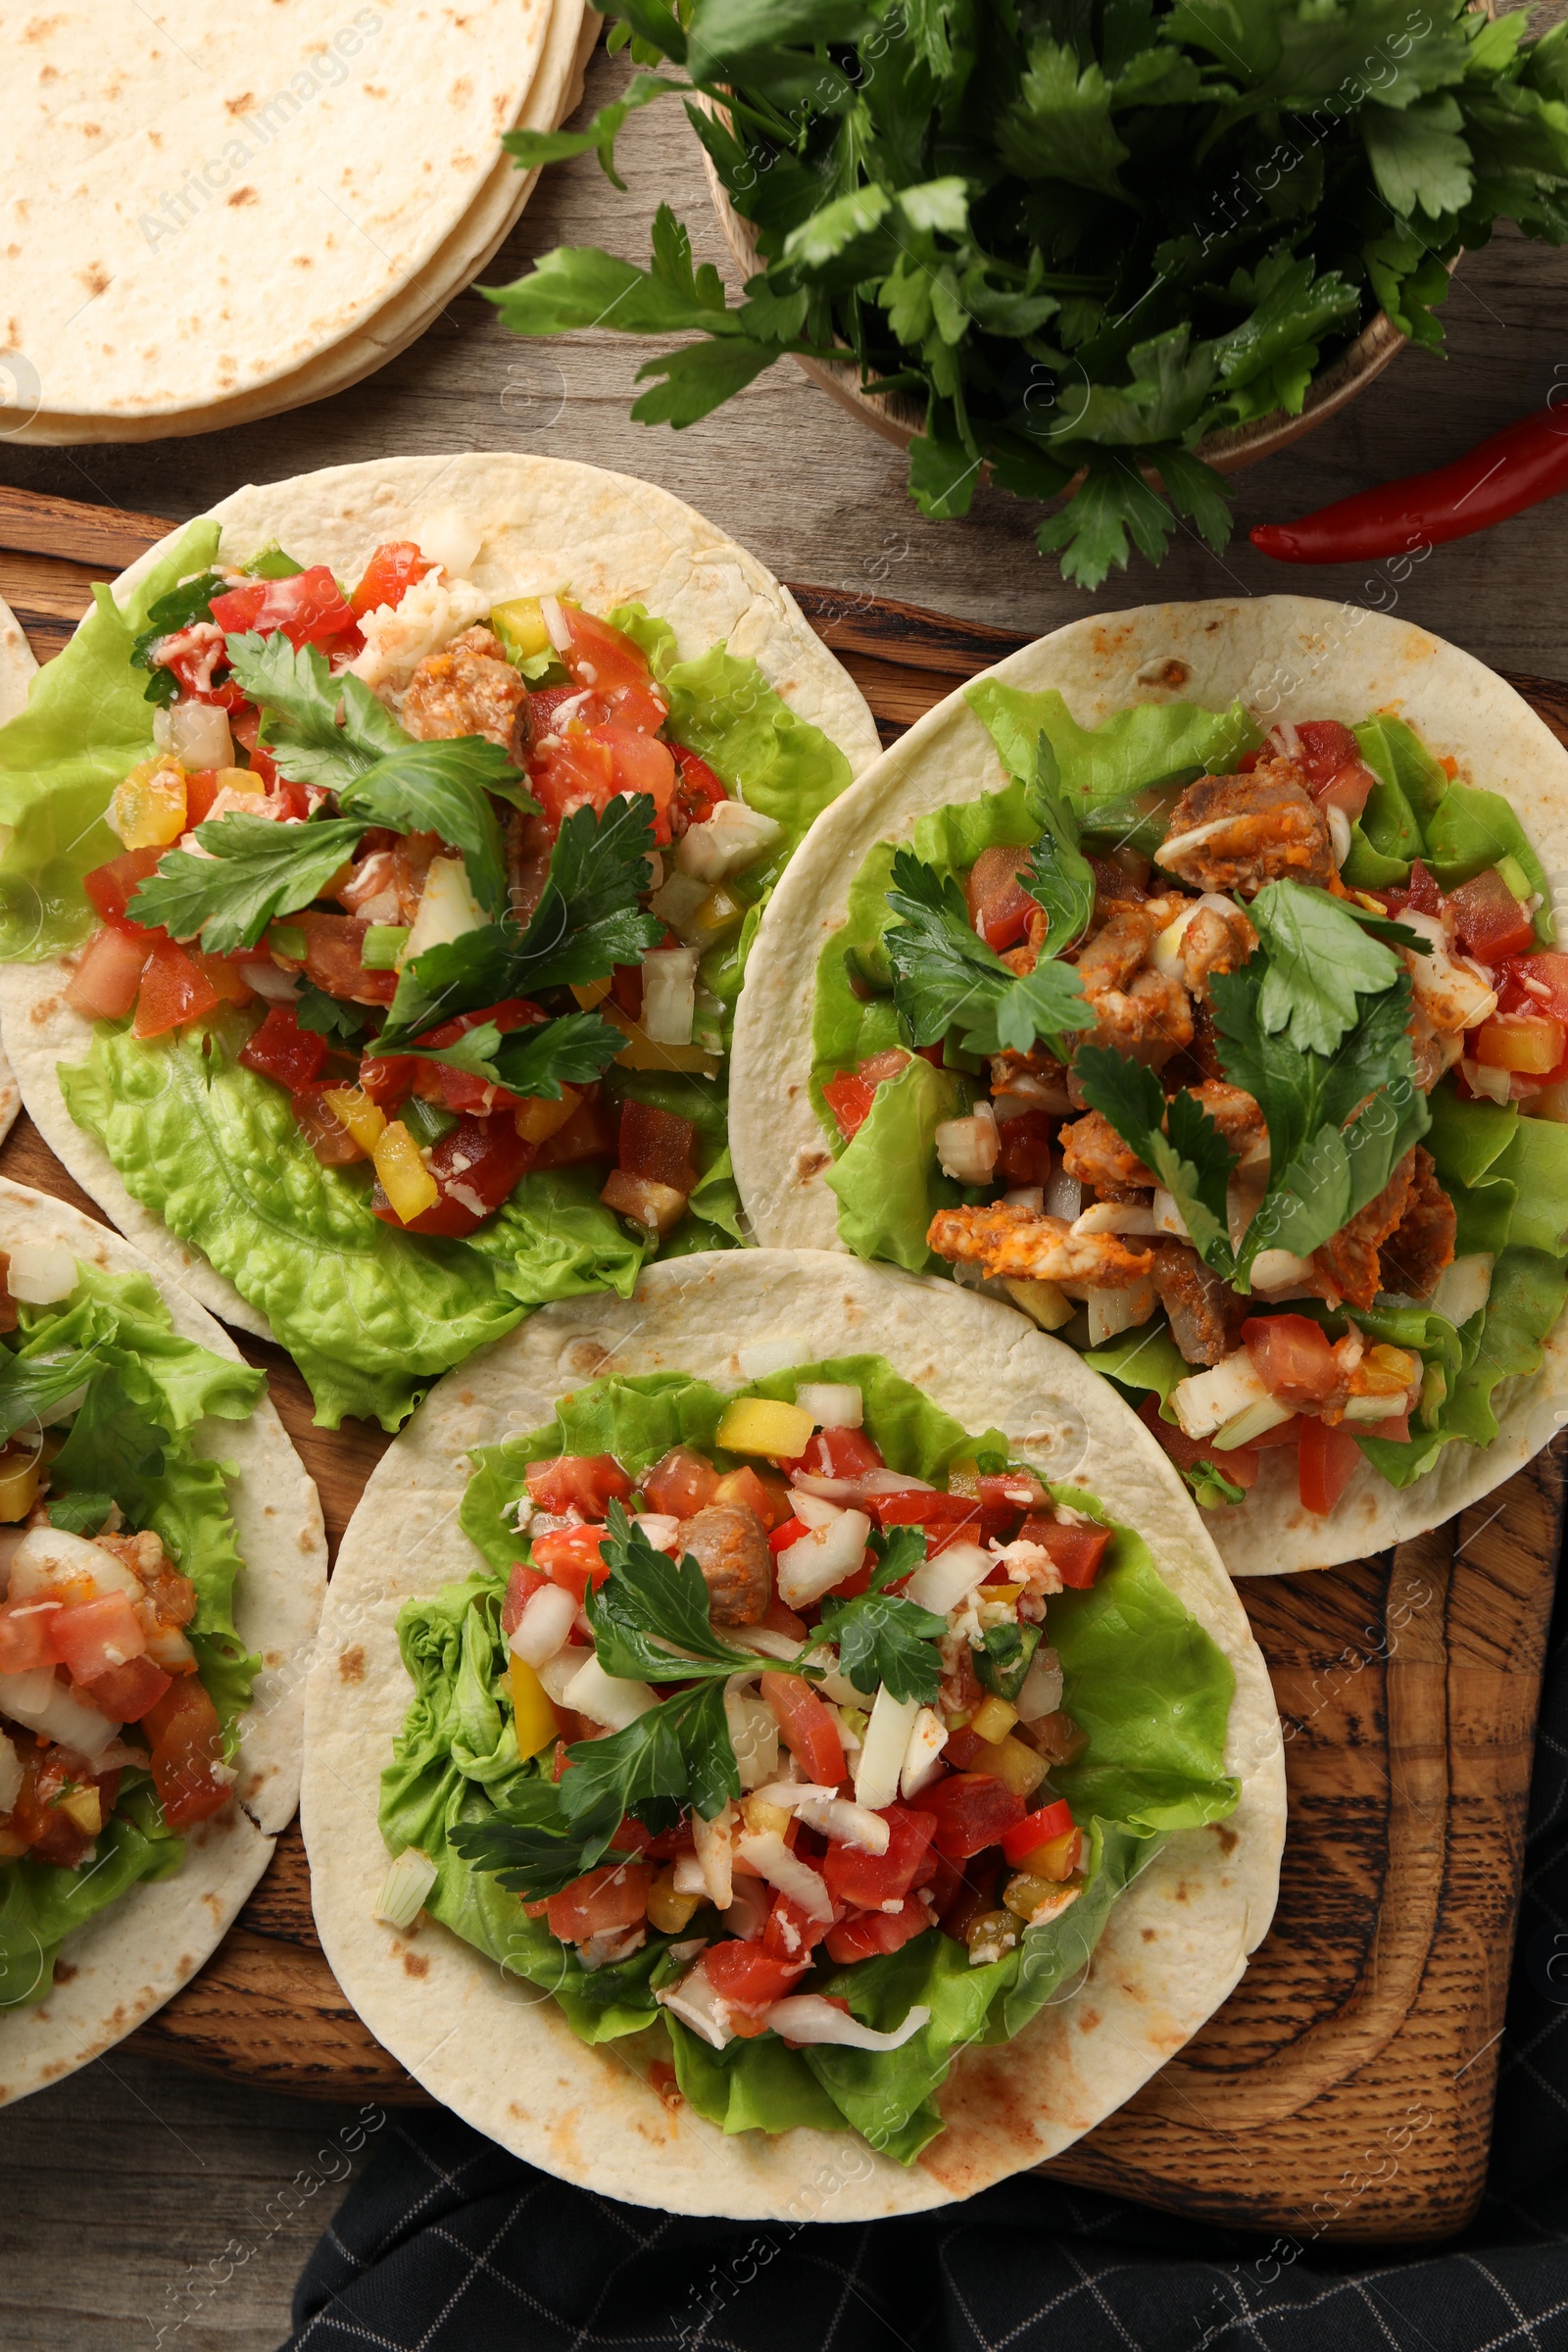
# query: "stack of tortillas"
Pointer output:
{"type": "Point", "coordinates": [223, 210]}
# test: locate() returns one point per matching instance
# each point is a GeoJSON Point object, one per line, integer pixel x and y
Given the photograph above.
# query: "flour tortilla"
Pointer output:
{"type": "Point", "coordinates": [17, 669]}
{"type": "Point", "coordinates": [1285, 658]}
{"type": "Point", "coordinates": [549, 525]}
{"type": "Point", "coordinates": [128, 1961]}
{"type": "Point", "coordinates": [498, 2052]}
{"type": "Point", "coordinates": [220, 193]}
{"type": "Point", "coordinates": [556, 92]}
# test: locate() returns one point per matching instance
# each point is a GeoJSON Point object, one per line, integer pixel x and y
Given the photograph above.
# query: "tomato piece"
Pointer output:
{"type": "Point", "coordinates": [780, 1618]}
{"type": "Point", "coordinates": [1076, 1551]}
{"type": "Point", "coordinates": [1037, 1829]}
{"type": "Point", "coordinates": [476, 1167]}
{"type": "Point", "coordinates": [783, 1536]}
{"type": "Point", "coordinates": [309, 608]}
{"type": "Point", "coordinates": [590, 1134]}
{"type": "Point", "coordinates": [973, 1810]}
{"type": "Point", "coordinates": [849, 1100]}
{"type": "Point", "coordinates": [125, 1693]}
{"type": "Point", "coordinates": [615, 1895]}
{"type": "Point", "coordinates": [187, 1746]}
{"type": "Point", "coordinates": [175, 989]}
{"type": "Point", "coordinates": [26, 1639]}
{"type": "Point", "coordinates": [747, 1976]}
{"type": "Point", "coordinates": [658, 1145]}
{"type": "Point", "coordinates": [323, 1129]}
{"type": "Point", "coordinates": [92, 1636]}
{"type": "Point", "coordinates": [106, 981]}
{"type": "Point", "coordinates": [791, 1933]}
{"type": "Point", "coordinates": [1536, 983]}
{"type": "Point", "coordinates": [578, 1482]}
{"type": "Point", "coordinates": [1327, 1458]}
{"type": "Point", "coordinates": [110, 888]}
{"type": "Point", "coordinates": [698, 790]}
{"type": "Point", "coordinates": [602, 656]}
{"type": "Point", "coordinates": [333, 946]}
{"type": "Point", "coordinates": [868, 1881]}
{"type": "Point", "coordinates": [1489, 921]}
{"type": "Point", "coordinates": [837, 1453]}
{"type": "Point", "coordinates": [946, 1518]}
{"type": "Point", "coordinates": [570, 1555]}
{"type": "Point", "coordinates": [811, 1729]}
{"type": "Point", "coordinates": [570, 770]}
{"type": "Point", "coordinates": [388, 576]}
{"type": "Point", "coordinates": [1024, 1147]}
{"type": "Point", "coordinates": [639, 763]}
{"type": "Point", "coordinates": [37, 1817]}
{"type": "Point", "coordinates": [681, 1485]}
{"type": "Point", "coordinates": [1291, 1357]}
{"type": "Point", "coordinates": [1529, 1042]}
{"type": "Point", "coordinates": [870, 1932]}
{"type": "Point", "coordinates": [1000, 906]}
{"type": "Point", "coordinates": [281, 1050]}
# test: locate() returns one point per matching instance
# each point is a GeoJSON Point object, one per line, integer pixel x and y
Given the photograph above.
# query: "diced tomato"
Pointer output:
{"type": "Point", "coordinates": [1076, 1551]}
{"type": "Point", "coordinates": [1328, 1457]}
{"type": "Point", "coordinates": [106, 981]}
{"type": "Point", "coordinates": [461, 1089]}
{"type": "Point", "coordinates": [245, 726]}
{"type": "Point", "coordinates": [681, 1485]}
{"type": "Point", "coordinates": [188, 1754]}
{"type": "Point", "coordinates": [1491, 923]}
{"type": "Point", "coordinates": [783, 1536]}
{"type": "Point", "coordinates": [780, 1618]}
{"type": "Point", "coordinates": [1037, 1829]}
{"type": "Point", "coordinates": [570, 770]}
{"type": "Point", "coordinates": [603, 656]}
{"type": "Point", "coordinates": [1422, 894]}
{"type": "Point", "coordinates": [1000, 906]}
{"type": "Point", "coordinates": [26, 1639]}
{"type": "Point", "coordinates": [973, 1810]}
{"type": "Point", "coordinates": [110, 888]}
{"type": "Point", "coordinates": [754, 1494]}
{"type": "Point", "coordinates": [1291, 1357]}
{"type": "Point", "coordinates": [309, 608]}
{"type": "Point", "coordinates": [850, 1099]}
{"type": "Point", "coordinates": [195, 665]}
{"type": "Point", "coordinates": [521, 1586]}
{"type": "Point", "coordinates": [639, 763]}
{"type": "Point", "coordinates": [946, 1518]}
{"type": "Point", "coordinates": [333, 947]}
{"type": "Point", "coordinates": [869, 1880]}
{"type": "Point", "coordinates": [657, 1144]}
{"type": "Point", "coordinates": [791, 1933]}
{"type": "Point", "coordinates": [1330, 762]}
{"type": "Point", "coordinates": [626, 988]}
{"type": "Point", "coordinates": [92, 1636]}
{"type": "Point", "coordinates": [1239, 1465]}
{"type": "Point", "coordinates": [748, 1975]}
{"type": "Point", "coordinates": [837, 1453]}
{"type": "Point", "coordinates": [570, 1555]}
{"type": "Point", "coordinates": [125, 1693]}
{"type": "Point", "coordinates": [323, 1129]}
{"type": "Point", "coordinates": [578, 1482]}
{"type": "Point", "coordinates": [1536, 983]}
{"type": "Point", "coordinates": [615, 1895]}
{"type": "Point", "coordinates": [870, 1932]}
{"type": "Point", "coordinates": [38, 1818]}
{"type": "Point", "coordinates": [175, 989]}
{"type": "Point", "coordinates": [811, 1729]}
{"type": "Point", "coordinates": [1024, 1153]}
{"type": "Point", "coordinates": [389, 574]}
{"type": "Point", "coordinates": [698, 790]}
{"type": "Point", "coordinates": [476, 1166]}
{"type": "Point", "coordinates": [281, 1050]}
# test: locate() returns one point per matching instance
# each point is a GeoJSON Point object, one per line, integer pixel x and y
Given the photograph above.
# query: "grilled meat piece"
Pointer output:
{"type": "Point", "coordinates": [1139, 1011]}
{"type": "Point", "coordinates": [1421, 1244]}
{"type": "Point", "coordinates": [1094, 1152]}
{"type": "Point", "coordinates": [1350, 1260]}
{"type": "Point", "coordinates": [468, 688]}
{"type": "Point", "coordinates": [1205, 1315]}
{"type": "Point", "coordinates": [1214, 942]}
{"type": "Point", "coordinates": [1011, 1240]}
{"type": "Point", "coordinates": [1234, 833]}
{"type": "Point", "coordinates": [729, 1544]}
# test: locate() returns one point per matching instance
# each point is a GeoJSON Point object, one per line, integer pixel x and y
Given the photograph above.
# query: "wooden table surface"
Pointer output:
{"type": "Point", "coordinates": [202, 2198]}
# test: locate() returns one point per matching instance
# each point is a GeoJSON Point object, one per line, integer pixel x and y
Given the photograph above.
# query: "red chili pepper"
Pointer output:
{"type": "Point", "coordinates": [1518, 468]}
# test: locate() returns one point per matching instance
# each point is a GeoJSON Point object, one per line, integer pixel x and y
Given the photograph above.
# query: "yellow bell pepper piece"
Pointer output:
{"type": "Point", "coordinates": [760, 1425]}
{"type": "Point", "coordinates": [590, 993]}
{"type": "Point", "coordinates": [83, 1807]}
{"type": "Point", "coordinates": [20, 1473]}
{"type": "Point", "coordinates": [992, 1719]}
{"type": "Point", "coordinates": [668, 1911]}
{"type": "Point", "coordinates": [519, 623]}
{"type": "Point", "coordinates": [149, 807]}
{"type": "Point", "coordinates": [644, 1053]}
{"type": "Point", "coordinates": [241, 779]}
{"type": "Point", "coordinates": [365, 1120]}
{"type": "Point", "coordinates": [534, 1717]}
{"type": "Point", "coordinates": [1017, 1767]}
{"type": "Point", "coordinates": [717, 914]}
{"type": "Point", "coordinates": [405, 1179]}
{"type": "Point", "coordinates": [536, 1120]}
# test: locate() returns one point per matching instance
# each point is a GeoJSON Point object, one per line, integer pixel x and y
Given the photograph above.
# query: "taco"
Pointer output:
{"type": "Point", "coordinates": [1189, 980]}
{"type": "Point", "coordinates": [379, 944]}
{"type": "Point", "coordinates": [162, 1566]}
{"type": "Point", "coordinates": [824, 1737]}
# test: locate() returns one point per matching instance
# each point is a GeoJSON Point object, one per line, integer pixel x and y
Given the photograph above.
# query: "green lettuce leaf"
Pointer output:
{"type": "Point", "coordinates": [1146, 746]}
{"type": "Point", "coordinates": [41, 1904]}
{"type": "Point", "coordinates": [887, 1180]}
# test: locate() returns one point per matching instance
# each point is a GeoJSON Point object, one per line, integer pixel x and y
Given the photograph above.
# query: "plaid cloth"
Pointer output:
{"type": "Point", "coordinates": [447, 2244]}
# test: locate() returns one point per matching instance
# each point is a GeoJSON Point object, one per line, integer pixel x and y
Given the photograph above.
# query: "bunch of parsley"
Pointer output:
{"type": "Point", "coordinates": [1084, 232]}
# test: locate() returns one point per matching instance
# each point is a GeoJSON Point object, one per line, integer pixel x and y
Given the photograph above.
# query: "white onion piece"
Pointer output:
{"type": "Point", "coordinates": [545, 1626]}
{"type": "Point", "coordinates": [922, 1757]}
{"type": "Point", "coordinates": [968, 1148]}
{"type": "Point", "coordinates": [277, 987]}
{"type": "Point", "coordinates": [1041, 1691]}
{"type": "Point", "coordinates": [409, 1880]}
{"type": "Point", "coordinates": [845, 1824]}
{"type": "Point", "coordinates": [451, 540]}
{"type": "Point", "coordinates": [11, 1775]}
{"type": "Point", "coordinates": [1111, 1312]}
{"type": "Point", "coordinates": [669, 994]}
{"type": "Point", "coordinates": [883, 1749]}
{"type": "Point", "coordinates": [746, 1914]}
{"type": "Point", "coordinates": [662, 1528]}
{"type": "Point", "coordinates": [688, 1876]}
{"type": "Point", "coordinates": [607, 1699]}
{"type": "Point", "coordinates": [772, 1859]}
{"type": "Point", "coordinates": [816, 1511]}
{"type": "Point", "coordinates": [44, 1705]}
{"type": "Point", "coordinates": [818, 1561]}
{"type": "Point", "coordinates": [940, 1585]}
{"type": "Point", "coordinates": [1064, 1194]}
{"type": "Point", "coordinates": [1339, 833]}
{"type": "Point", "coordinates": [1168, 1218]}
{"type": "Point", "coordinates": [196, 734]}
{"type": "Point", "coordinates": [770, 1645]}
{"type": "Point", "coordinates": [562, 1669]}
{"type": "Point", "coordinates": [753, 1733]}
{"type": "Point", "coordinates": [1115, 1216]}
{"type": "Point", "coordinates": [693, 2000]}
{"type": "Point", "coordinates": [732, 838]}
{"type": "Point", "coordinates": [715, 1854]}
{"type": "Point", "coordinates": [831, 1403]}
{"type": "Point", "coordinates": [41, 1273]}
{"type": "Point", "coordinates": [857, 1489]}
{"type": "Point", "coordinates": [49, 1558]}
{"type": "Point", "coordinates": [804, 2016]}
{"type": "Point", "coordinates": [1464, 1287]}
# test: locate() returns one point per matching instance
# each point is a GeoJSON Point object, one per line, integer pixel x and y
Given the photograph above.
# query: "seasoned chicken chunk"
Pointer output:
{"type": "Point", "coordinates": [1205, 1315]}
{"type": "Point", "coordinates": [1421, 1244]}
{"type": "Point", "coordinates": [729, 1544]}
{"type": "Point", "coordinates": [1144, 1014]}
{"type": "Point", "coordinates": [1007, 1240]}
{"type": "Point", "coordinates": [469, 688]}
{"type": "Point", "coordinates": [1351, 1260]}
{"type": "Point", "coordinates": [1094, 1152]}
{"type": "Point", "coordinates": [1232, 834]}
{"type": "Point", "coordinates": [1214, 942]}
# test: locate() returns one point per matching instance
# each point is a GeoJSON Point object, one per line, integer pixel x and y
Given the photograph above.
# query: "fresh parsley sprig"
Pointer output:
{"type": "Point", "coordinates": [1192, 1161]}
{"type": "Point", "coordinates": [943, 976]}
{"type": "Point", "coordinates": [1058, 875]}
{"type": "Point", "coordinates": [882, 1637]}
{"type": "Point", "coordinates": [319, 729]}
{"type": "Point", "coordinates": [254, 870]}
{"type": "Point", "coordinates": [651, 1616]}
{"type": "Point", "coordinates": [536, 1061]}
{"type": "Point", "coordinates": [1319, 960]}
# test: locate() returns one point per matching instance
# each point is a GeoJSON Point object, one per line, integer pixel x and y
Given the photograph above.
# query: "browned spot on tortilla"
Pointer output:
{"type": "Point", "coordinates": [49, 74]}
{"type": "Point", "coordinates": [237, 106]}
{"type": "Point", "coordinates": [416, 1964]}
{"type": "Point", "coordinates": [41, 28]}
{"type": "Point", "coordinates": [245, 195]}
{"type": "Point", "coordinates": [1172, 673]}
{"type": "Point", "coordinates": [304, 261]}
{"type": "Point", "coordinates": [1150, 1934]}
{"type": "Point", "coordinates": [95, 278]}
{"type": "Point", "coordinates": [811, 1163]}
{"type": "Point", "coordinates": [1229, 1840]}
{"type": "Point", "coordinates": [66, 1971]}
{"type": "Point", "coordinates": [306, 1542]}
{"type": "Point", "coordinates": [44, 1012]}
{"type": "Point", "coordinates": [350, 1665]}
{"type": "Point", "coordinates": [461, 90]}
{"type": "Point", "coordinates": [585, 1357]}
{"type": "Point", "coordinates": [1181, 1891]}
{"type": "Point", "coordinates": [1088, 2020]}
{"type": "Point", "coordinates": [92, 130]}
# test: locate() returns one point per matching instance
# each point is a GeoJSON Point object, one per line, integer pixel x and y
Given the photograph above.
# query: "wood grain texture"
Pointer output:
{"type": "Point", "coordinates": [1345, 2088]}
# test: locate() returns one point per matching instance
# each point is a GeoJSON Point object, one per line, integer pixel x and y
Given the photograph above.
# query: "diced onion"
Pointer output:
{"type": "Point", "coordinates": [772, 1645]}
{"type": "Point", "coordinates": [968, 1148]}
{"type": "Point", "coordinates": [662, 1528]}
{"type": "Point", "coordinates": [763, 1357]}
{"type": "Point", "coordinates": [1275, 1270]}
{"type": "Point", "coordinates": [940, 1585]}
{"type": "Point", "coordinates": [607, 1699]}
{"type": "Point", "coordinates": [1111, 1312]}
{"type": "Point", "coordinates": [845, 1824]}
{"type": "Point", "coordinates": [1042, 1688]}
{"type": "Point", "coordinates": [1484, 1080]}
{"type": "Point", "coordinates": [1115, 1216]}
{"type": "Point", "coordinates": [1339, 833]}
{"type": "Point", "coordinates": [923, 1757]}
{"type": "Point", "coordinates": [451, 540]}
{"type": "Point", "coordinates": [1266, 1412]}
{"type": "Point", "coordinates": [409, 1880]}
{"type": "Point", "coordinates": [41, 1273]}
{"type": "Point", "coordinates": [562, 1669]}
{"type": "Point", "coordinates": [753, 1733]}
{"type": "Point", "coordinates": [669, 994]}
{"type": "Point", "coordinates": [278, 988]}
{"type": "Point", "coordinates": [823, 1558]}
{"type": "Point", "coordinates": [883, 1749]}
{"type": "Point", "coordinates": [693, 2000]}
{"type": "Point", "coordinates": [1064, 1194]}
{"type": "Point", "coordinates": [732, 838]}
{"type": "Point", "coordinates": [806, 2017]}
{"type": "Point", "coordinates": [1168, 1218]}
{"type": "Point", "coordinates": [196, 734]}
{"type": "Point", "coordinates": [831, 1403]}
{"type": "Point", "coordinates": [40, 1703]}
{"type": "Point", "coordinates": [1206, 1401]}
{"type": "Point", "coordinates": [545, 1626]}
{"type": "Point", "coordinates": [1463, 1288]}
{"type": "Point", "coordinates": [815, 1510]}
{"type": "Point", "coordinates": [772, 1859]}
{"type": "Point", "coordinates": [11, 1775]}
{"type": "Point", "coordinates": [716, 1853]}
{"type": "Point", "coordinates": [1041, 1301]}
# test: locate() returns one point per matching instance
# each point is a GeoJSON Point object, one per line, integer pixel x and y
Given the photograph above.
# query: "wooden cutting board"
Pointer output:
{"type": "Point", "coordinates": [1345, 2088]}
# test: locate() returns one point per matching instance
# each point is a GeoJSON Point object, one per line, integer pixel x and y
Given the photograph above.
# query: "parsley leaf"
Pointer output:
{"type": "Point", "coordinates": [1320, 959]}
{"type": "Point", "coordinates": [1193, 1162]}
{"type": "Point", "coordinates": [881, 1636]}
{"type": "Point", "coordinates": [255, 869]}
{"type": "Point", "coordinates": [944, 976]}
{"type": "Point", "coordinates": [329, 1017]}
{"type": "Point", "coordinates": [651, 1616]}
{"type": "Point", "coordinates": [301, 699]}
{"type": "Point", "coordinates": [181, 609]}
{"type": "Point", "coordinates": [442, 788]}
{"type": "Point", "coordinates": [536, 1061]}
{"type": "Point", "coordinates": [1058, 875]}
